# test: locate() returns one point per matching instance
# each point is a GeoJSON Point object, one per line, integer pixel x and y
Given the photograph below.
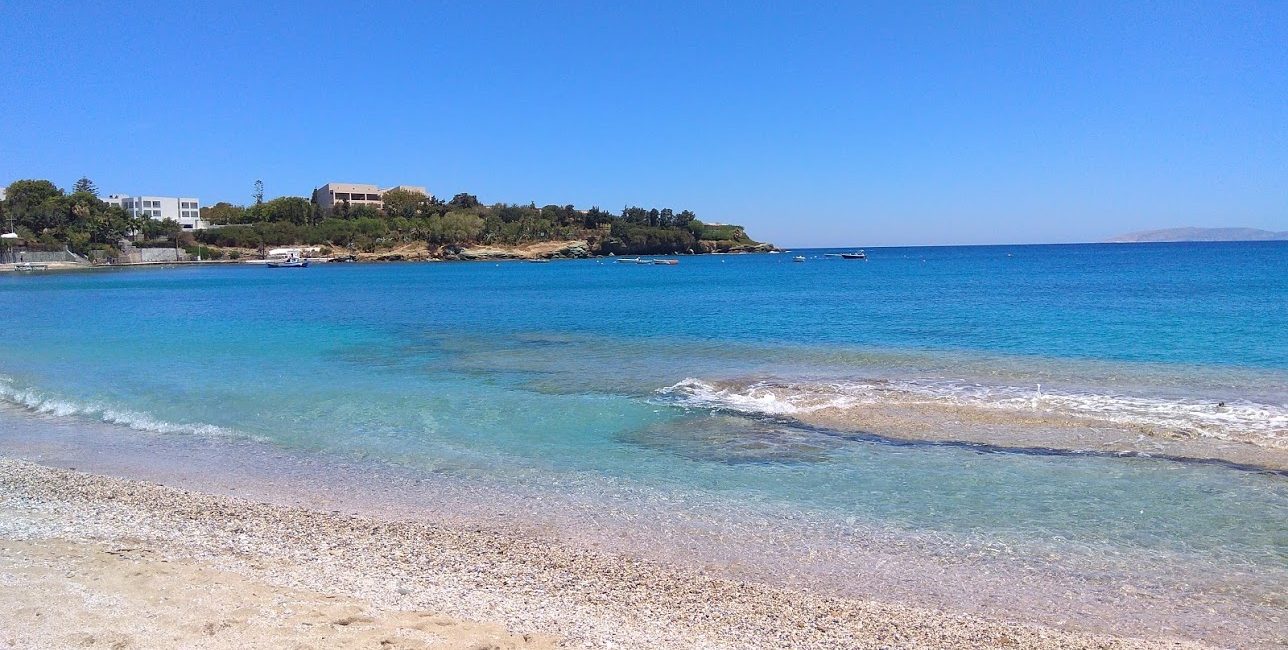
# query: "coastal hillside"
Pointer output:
{"type": "Point", "coordinates": [1201, 234]}
{"type": "Point", "coordinates": [407, 225]}
{"type": "Point", "coordinates": [410, 225]}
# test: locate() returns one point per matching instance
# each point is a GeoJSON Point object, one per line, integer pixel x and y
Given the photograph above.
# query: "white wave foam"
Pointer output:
{"type": "Point", "coordinates": [757, 399]}
{"type": "Point", "coordinates": [36, 402]}
{"type": "Point", "coordinates": [1190, 416]}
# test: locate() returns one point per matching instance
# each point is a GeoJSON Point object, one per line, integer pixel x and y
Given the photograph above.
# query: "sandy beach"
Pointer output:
{"type": "Point", "coordinates": [94, 561]}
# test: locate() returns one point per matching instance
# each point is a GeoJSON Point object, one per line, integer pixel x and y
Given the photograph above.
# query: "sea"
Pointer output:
{"type": "Point", "coordinates": [674, 412]}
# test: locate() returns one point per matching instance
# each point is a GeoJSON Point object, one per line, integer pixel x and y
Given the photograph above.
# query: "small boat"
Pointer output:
{"type": "Point", "coordinates": [628, 260]}
{"type": "Point", "coordinates": [539, 260]}
{"type": "Point", "coordinates": [857, 255]}
{"type": "Point", "coordinates": [643, 260]}
{"type": "Point", "coordinates": [291, 262]}
{"type": "Point", "coordinates": [666, 262]}
{"type": "Point", "coordinates": [798, 258]}
{"type": "Point", "coordinates": [28, 266]}
{"type": "Point", "coordinates": [837, 255]}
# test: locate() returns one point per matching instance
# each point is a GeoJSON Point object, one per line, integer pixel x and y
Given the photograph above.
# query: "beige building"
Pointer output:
{"type": "Point", "coordinates": [355, 194]}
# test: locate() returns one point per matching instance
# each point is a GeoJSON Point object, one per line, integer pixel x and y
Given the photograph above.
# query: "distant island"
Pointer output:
{"type": "Point", "coordinates": [1200, 234]}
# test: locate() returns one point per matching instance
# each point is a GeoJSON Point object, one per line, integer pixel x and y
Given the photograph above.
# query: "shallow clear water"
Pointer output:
{"type": "Point", "coordinates": [602, 378]}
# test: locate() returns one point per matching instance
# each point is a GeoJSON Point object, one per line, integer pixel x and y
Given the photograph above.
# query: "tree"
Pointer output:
{"type": "Point", "coordinates": [26, 196]}
{"type": "Point", "coordinates": [259, 192]}
{"type": "Point", "coordinates": [464, 201]}
{"type": "Point", "coordinates": [403, 203]}
{"type": "Point", "coordinates": [223, 213]}
{"type": "Point", "coordinates": [85, 186]}
{"type": "Point", "coordinates": [456, 228]}
{"type": "Point", "coordinates": [288, 209]}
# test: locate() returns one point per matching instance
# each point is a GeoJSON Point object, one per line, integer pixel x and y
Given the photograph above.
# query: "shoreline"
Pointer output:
{"type": "Point", "coordinates": [380, 257]}
{"type": "Point", "coordinates": [530, 585]}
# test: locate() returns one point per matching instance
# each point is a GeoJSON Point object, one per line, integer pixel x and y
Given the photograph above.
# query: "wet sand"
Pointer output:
{"type": "Point", "coordinates": [122, 563]}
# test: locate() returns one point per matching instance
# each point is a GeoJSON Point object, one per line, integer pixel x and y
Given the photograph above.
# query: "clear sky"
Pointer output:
{"type": "Point", "coordinates": [810, 123]}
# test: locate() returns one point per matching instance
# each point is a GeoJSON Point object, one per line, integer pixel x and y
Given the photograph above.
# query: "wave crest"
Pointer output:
{"type": "Point", "coordinates": [1265, 424]}
{"type": "Point", "coordinates": [34, 401]}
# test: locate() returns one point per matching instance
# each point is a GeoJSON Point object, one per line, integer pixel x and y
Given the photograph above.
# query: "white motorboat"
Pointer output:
{"type": "Point", "coordinates": [291, 262]}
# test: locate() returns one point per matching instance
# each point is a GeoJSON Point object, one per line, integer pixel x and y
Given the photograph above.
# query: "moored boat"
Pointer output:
{"type": "Point", "coordinates": [291, 262]}
{"type": "Point", "coordinates": [798, 258]}
{"type": "Point", "coordinates": [666, 262]}
{"type": "Point", "coordinates": [856, 255]}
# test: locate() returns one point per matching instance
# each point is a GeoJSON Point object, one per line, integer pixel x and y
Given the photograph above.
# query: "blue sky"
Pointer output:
{"type": "Point", "coordinates": [811, 123]}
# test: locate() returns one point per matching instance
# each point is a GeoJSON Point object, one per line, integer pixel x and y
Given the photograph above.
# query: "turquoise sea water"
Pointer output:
{"type": "Point", "coordinates": [687, 383]}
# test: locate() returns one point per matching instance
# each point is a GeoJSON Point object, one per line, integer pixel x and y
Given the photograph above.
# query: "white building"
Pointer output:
{"type": "Point", "coordinates": [355, 194]}
{"type": "Point", "coordinates": [187, 211]}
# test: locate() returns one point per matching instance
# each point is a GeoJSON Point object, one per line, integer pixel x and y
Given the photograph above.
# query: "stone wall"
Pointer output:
{"type": "Point", "coordinates": [161, 255]}
{"type": "Point", "coordinates": [13, 255]}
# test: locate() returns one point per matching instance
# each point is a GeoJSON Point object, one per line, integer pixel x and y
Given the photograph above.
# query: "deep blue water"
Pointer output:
{"type": "Point", "coordinates": [577, 372]}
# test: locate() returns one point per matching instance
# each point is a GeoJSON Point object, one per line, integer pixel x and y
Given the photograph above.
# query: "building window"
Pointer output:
{"type": "Point", "coordinates": [373, 197]}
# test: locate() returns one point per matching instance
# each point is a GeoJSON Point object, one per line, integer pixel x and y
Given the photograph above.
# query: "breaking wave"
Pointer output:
{"type": "Point", "coordinates": [1265, 423]}
{"type": "Point", "coordinates": [34, 401]}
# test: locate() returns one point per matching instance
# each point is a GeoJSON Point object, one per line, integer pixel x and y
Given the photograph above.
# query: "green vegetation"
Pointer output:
{"type": "Point", "coordinates": [47, 217]}
{"type": "Point", "coordinates": [409, 217]}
